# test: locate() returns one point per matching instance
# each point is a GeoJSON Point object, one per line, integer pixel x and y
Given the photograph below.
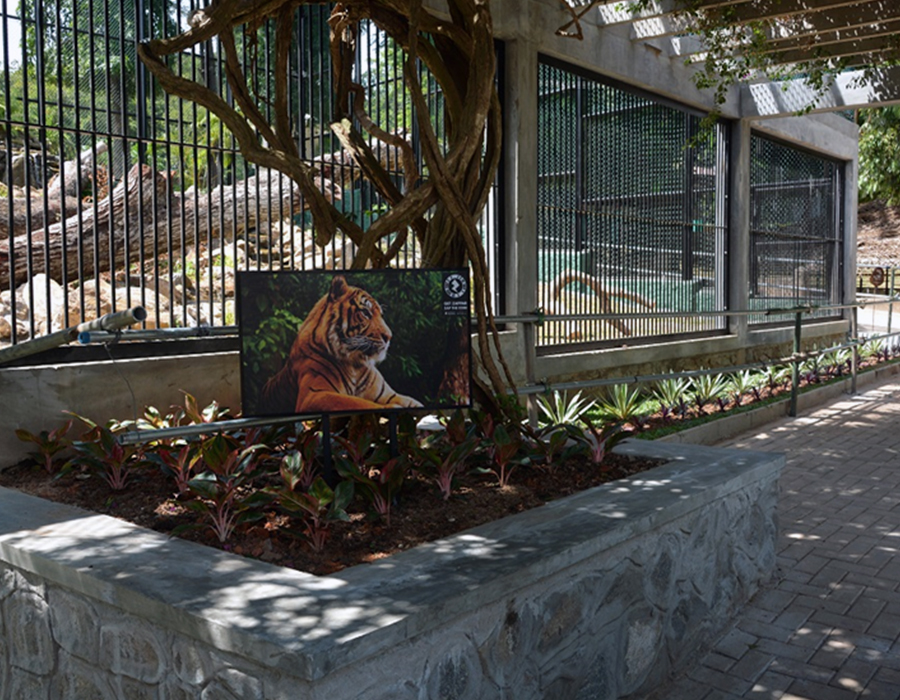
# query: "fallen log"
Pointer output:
{"type": "Point", "coordinates": [59, 200]}
{"type": "Point", "coordinates": [144, 215]}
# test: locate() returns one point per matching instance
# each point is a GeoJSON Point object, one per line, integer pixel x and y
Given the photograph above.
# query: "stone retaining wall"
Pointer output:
{"type": "Point", "coordinates": [600, 595]}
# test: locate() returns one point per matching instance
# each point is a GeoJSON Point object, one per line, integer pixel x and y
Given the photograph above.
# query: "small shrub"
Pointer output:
{"type": "Point", "coordinates": [177, 463]}
{"type": "Point", "coordinates": [222, 491]}
{"type": "Point", "coordinates": [560, 408]}
{"type": "Point", "coordinates": [597, 441]}
{"type": "Point", "coordinates": [100, 451]}
{"type": "Point", "coordinates": [621, 403]}
{"type": "Point", "coordinates": [706, 389]}
{"type": "Point", "coordinates": [49, 444]}
{"type": "Point", "coordinates": [317, 508]}
{"type": "Point", "coordinates": [432, 457]}
{"type": "Point", "coordinates": [379, 481]}
{"type": "Point", "coordinates": [739, 384]}
{"type": "Point", "coordinates": [669, 392]}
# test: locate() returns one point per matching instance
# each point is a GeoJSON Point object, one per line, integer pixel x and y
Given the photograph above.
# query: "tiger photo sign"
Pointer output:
{"type": "Point", "coordinates": [327, 342]}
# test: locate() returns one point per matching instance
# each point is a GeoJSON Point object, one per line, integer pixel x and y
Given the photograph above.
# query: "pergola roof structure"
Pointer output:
{"type": "Point", "coordinates": [860, 37]}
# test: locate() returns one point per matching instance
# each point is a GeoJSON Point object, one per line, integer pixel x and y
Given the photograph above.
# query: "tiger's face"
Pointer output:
{"type": "Point", "coordinates": [356, 326]}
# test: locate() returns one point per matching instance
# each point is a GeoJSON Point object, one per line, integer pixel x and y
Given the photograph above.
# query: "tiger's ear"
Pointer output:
{"type": "Point", "coordinates": [338, 287]}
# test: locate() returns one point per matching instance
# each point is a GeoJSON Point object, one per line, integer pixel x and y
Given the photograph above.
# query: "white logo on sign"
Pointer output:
{"type": "Point", "coordinates": [455, 286]}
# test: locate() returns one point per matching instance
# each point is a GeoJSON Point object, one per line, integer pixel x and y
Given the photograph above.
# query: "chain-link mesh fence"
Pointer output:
{"type": "Point", "coordinates": [632, 209]}
{"type": "Point", "coordinates": [795, 228]}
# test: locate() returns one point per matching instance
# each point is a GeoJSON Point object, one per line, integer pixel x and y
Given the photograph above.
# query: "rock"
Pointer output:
{"type": "Point", "coordinates": [48, 303]}
{"type": "Point", "coordinates": [92, 308]}
{"type": "Point", "coordinates": [127, 298]}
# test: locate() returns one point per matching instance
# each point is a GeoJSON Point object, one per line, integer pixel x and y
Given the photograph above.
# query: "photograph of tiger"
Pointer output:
{"type": "Point", "coordinates": [343, 342]}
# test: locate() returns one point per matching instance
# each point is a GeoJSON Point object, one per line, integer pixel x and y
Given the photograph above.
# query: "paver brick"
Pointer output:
{"type": "Point", "coordinates": [770, 686]}
{"type": "Point", "coordinates": [783, 650]}
{"type": "Point", "coordinates": [719, 662]}
{"type": "Point", "coordinates": [810, 690]}
{"type": "Point", "coordinates": [854, 675]}
{"type": "Point", "coordinates": [752, 665]}
{"type": "Point", "coordinates": [832, 657]}
{"type": "Point", "coordinates": [798, 669]}
{"type": "Point", "coordinates": [718, 680]}
{"type": "Point", "coordinates": [840, 622]}
{"type": "Point", "coordinates": [765, 630]}
{"type": "Point", "coordinates": [877, 690]}
{"type": "Point", "coordinates": [811, 635]}
{"type": "Point", "coordinates": [774, 600]}
{"type": "Point", "coordinates": [735, 643]}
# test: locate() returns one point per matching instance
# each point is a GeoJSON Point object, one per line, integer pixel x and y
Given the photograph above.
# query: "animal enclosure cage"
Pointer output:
{"type": "Point", "coordinates": [632, 206]}
{"type": "Point", "coordinates": [115, 194]}
{"type": "Point", "coordinates": [796, 228]}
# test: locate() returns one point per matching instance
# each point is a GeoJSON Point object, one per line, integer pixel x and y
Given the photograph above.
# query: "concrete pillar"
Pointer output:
{"type": "Point", "coordinates": [520, 169]}
{"type": "Point", "coordinates": [851, 192]}
{"type": "Point", "coordinates": [739, 229]}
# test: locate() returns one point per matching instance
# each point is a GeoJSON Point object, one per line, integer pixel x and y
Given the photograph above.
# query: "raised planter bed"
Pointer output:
{"type": "Point", "coordinates": [599, 595]}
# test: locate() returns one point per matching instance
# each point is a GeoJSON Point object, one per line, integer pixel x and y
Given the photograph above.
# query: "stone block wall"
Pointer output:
{"type": "Point", "coordinates": [600, 595]}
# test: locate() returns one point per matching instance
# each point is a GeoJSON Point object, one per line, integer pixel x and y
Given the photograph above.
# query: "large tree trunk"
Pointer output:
{"type": "Point", "coordinates": [143, 213]}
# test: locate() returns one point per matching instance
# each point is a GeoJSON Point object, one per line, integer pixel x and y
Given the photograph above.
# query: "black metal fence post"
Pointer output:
{"type": "Point", "coordinates": [795, 364]}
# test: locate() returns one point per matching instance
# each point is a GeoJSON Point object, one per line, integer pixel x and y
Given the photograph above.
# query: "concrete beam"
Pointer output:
{"type": "Point", "coordinates": [851, 90]}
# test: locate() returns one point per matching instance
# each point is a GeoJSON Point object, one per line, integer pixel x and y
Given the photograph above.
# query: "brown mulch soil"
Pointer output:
{"type": "Point", "coordinates": [419, 516]}
{"type": "Point", "coordinates": [878, 234]}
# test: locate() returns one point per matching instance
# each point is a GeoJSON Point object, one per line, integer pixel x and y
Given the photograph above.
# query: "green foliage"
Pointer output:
{"type": "Point", "coordinates": [49, 444]}
{"type": "Point", "coordinates": [621, 403]}
{"type": "Point", "coordinates": [297, 470]}
{"type": "Point", "coordinates": [739, 384]}
{"type": "Point", "coordinates": [879, 155]}
{"type": "Point", "coordinates": [504, 446]}
{"type": "Point", "coordinates": [177, 463]}
{"type": "Point", "coordinates": [378, 480]}
{"type": "Point", "coordinates": [443, 462]}
{"type": "Point", "coordinates": [597, 440]}
{"type": "Point", "coordinates": [221, 490]}
{"type": "Point", "coordinates": [317, 508]}
{"type": "Point", "coordinates": [549, 443]}
{"type": "Point", "coordinates": [669, 392]}
{"type": "Point", "coordinates": [707, 388]}
{"type": "Point", "coordinates": [561, 408]}
{"type": "Point", "coordinates": [100, 452]}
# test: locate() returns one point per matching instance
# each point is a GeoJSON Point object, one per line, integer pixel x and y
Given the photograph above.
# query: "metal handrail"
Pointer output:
{"type": "Point", "coordinates": [535, 317]}
{"type": "Point", "coordinates": [107, 322]}
{"type": "Point", "coordinates": [537, 387]}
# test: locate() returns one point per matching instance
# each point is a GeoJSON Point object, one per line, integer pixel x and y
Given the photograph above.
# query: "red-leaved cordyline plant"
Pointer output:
{"type": "Point", "coordinates": [597, 442]}
{"type": "Point", "coordinates": [178, 462]}
{"type": "Point", "coordinates": [549, 443]}
{"type": "Point", "coordinates": [455, 427]}
{"type": "Point", "coordinates": [298, 469]}
{"type": "Point", "coordinates": [378, 481]}
{"type": "Point", "coordinates": [431, 456]}
{"type": "Point", "coordinates": [503, 446]}
{"type": "Point", "coordinates": [317, 508]}
{"type": "Point", "coordinates": [100, 451]}
{"type": "Point", "coordinates": [49, 444]}
{"type": "Point", "coordinates": [193, 414]}
{"type": "Point", "coordinates": [220, 490]}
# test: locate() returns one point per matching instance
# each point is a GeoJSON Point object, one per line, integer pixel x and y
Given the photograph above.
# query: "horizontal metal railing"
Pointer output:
{"type": "Point", "coordinates": [534, 387]}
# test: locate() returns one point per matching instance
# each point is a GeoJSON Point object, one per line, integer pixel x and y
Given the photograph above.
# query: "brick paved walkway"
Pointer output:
{"type": "Point", "coordinates": [828, 626]}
